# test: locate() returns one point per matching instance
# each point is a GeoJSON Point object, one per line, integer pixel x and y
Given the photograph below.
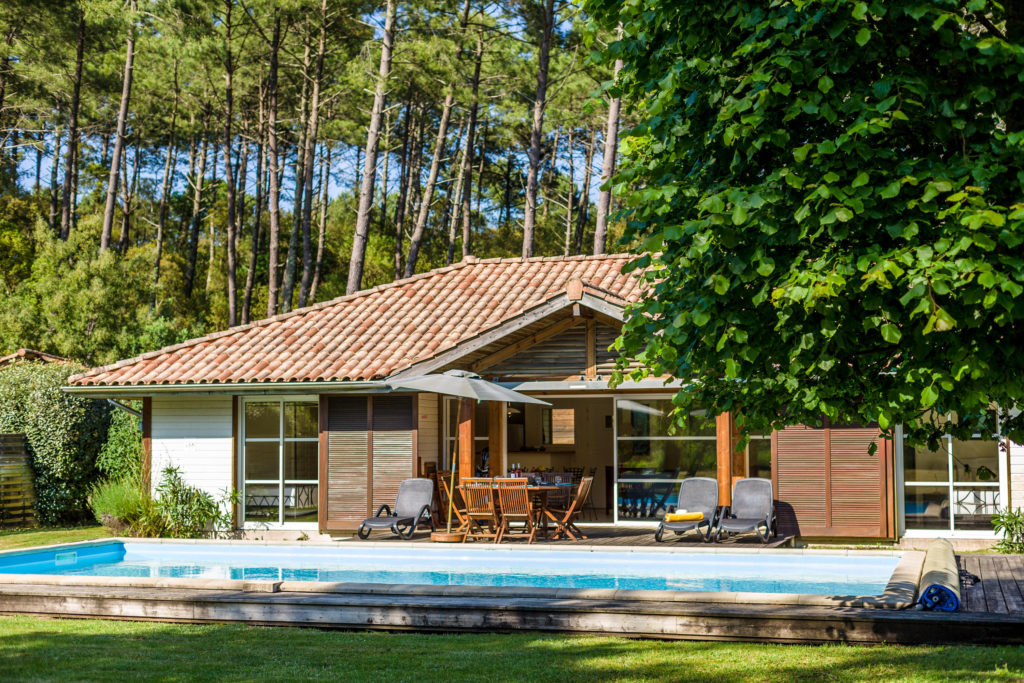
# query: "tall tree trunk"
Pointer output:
{"type": "Point", "coordinates": [508, 189]}
{"type": "Point", "coordinates": [384, 174]}
{"type": "Point", "coordinates": [250, 275]}
{"type": "Point", "coordinates": [54, 168]}
{"type": "Point", "coordinates": [310, 162]}
{"type": "Point", "coordinates": [128, 191]}
{"type": "Point", "coordinates": [40, 144]}
{"type": "Point", "coordinates": [197, 217]}
{"type": "Point", "coordinates": [275, 187]}
{"type": "Point", "coordinates": [403, 189]}
{"type": "Point", "coordinates": [211, 228]}
{"type": "Point", "coordinates": [548, 178]}
{"type": "Point", "coordinates": [321, 238]}
{"type": "Point", "coordinates": [467, 161]}
{"type": "Point", "coordinates": [480, 170]}
{"type": "Point", "coordinates": [295, 236]}
{"type": "Point", "coordinates": [581, 218]}
{"type": "Point", "coordinates": [571, 199]}
{"type": "Point", "coordinates": [611, 142]}
{"type": "Point", "coordinates": [414, 190]}
{"type": "Point", "coordinates": [71, 163]}
{"type": "Point", "coordinates": [362, 228]}
{"type": "Point", "coordinates": [122, 122]}
{"type": "Point", "coordinates": [537, 128]}
{"type": "Point", "coordinates": [416, 241]}
{"type": "Point", "coordinates": [165, 190]}
{"type": "Point", "coordinates": [229, 178]}
{"type": "Point", "coordinates": [456, 205]}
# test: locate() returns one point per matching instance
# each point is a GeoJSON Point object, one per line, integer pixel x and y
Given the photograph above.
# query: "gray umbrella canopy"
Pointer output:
{"type": "Point", "coordinates": [466, 385]}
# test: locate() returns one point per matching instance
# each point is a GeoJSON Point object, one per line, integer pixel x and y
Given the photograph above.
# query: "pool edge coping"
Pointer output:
{"type": "Point", "coordinates": [900, 591]}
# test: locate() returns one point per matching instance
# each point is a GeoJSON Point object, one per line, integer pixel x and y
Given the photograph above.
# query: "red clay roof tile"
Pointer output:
{"type": "Point", "coordinates": [376, 332]}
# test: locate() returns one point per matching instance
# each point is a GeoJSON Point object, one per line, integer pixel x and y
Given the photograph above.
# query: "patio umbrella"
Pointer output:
{"type": "Point", "coordinates": [464, 384]}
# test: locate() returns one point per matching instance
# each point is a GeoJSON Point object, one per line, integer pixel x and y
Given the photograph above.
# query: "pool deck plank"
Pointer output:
{"type": "Point", "coordinates": [973, 594]}
{"type": "Point", "coordinates": [1010, 588]}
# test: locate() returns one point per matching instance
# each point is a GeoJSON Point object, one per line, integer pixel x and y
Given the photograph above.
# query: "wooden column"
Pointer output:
{"type": "Point", "coordinates": [723, 442]}
{"type": "Point", "coordinates": [147, 443]}
{"type": "Point", "coordinates": [466, 445]}
{"type": "Point", "coordinates": [496, 421]}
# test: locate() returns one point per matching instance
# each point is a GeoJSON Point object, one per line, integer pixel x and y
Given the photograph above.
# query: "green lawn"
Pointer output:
{"type": "Point", "coordinates": [33, 648]}
{"type": "Point", "coordinates": [26, 538]}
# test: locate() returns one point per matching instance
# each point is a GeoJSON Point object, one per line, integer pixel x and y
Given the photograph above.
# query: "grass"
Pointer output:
{"type": "Point", "coordinates": [33, 648]}
{"type": "Point", "coordinates": [26, 538]}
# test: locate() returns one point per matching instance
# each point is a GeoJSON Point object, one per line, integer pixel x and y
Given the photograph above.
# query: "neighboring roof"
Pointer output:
{"type": "Point", "coordinates": [31, 354]}
{"type": "Point", "coordinates": [377, 332]}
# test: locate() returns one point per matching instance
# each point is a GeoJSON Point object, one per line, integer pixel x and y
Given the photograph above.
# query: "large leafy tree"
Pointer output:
{"type": "Point", "coordinates": [829, 194]}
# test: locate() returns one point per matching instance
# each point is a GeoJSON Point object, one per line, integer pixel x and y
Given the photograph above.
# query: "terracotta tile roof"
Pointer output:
{"type": "Point", "coordinates": [32, 354]}
{"type": "Point", "coordinates": [376, 332]}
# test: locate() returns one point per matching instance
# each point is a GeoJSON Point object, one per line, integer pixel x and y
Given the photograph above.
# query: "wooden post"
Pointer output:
{"type": "Point", "coordinates": [591, 337]}
{"type": "Point", "coordinates": [147, 443]}
{"type": "Point", "coordinates": [466, 448]}
{"type": "Point", "coordinates": [723, 442]}
{"type": "Point", "coordinates": [496, 421]}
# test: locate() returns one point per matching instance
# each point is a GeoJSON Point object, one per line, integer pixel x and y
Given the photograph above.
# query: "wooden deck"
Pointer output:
{"type": "Point", "coordinates": [1001, 586]}
{"type": "Point", "coordinates": [610, 536]}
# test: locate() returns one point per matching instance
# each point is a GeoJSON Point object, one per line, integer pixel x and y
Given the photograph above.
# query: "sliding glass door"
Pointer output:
{"type": "Point", "coordinates": [280, 461]}
{"type": "Point", "coordinates": [653, 453]}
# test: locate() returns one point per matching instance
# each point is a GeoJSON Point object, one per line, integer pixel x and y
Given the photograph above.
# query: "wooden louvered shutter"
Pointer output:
{"type": "Point", "coordinates": [799, 480]}
{"type": "Point", "coordinates": [348, 442]}
{"type": "Point", "coordinates": [393, 449]}
{"type": "Point", "coordinates": [827, 484]}
{"type": "Point", "coordinates": [859, 504]}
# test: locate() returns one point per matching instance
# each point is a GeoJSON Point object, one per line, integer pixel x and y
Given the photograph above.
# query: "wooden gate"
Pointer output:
{"type": "Point", "coordinates": [17, 491]}
{"type": "Point", "coordinates": [826, 483]}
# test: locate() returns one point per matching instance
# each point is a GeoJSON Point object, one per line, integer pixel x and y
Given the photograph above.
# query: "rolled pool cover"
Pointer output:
{"type": "Point", "coordinates": [940, 578]}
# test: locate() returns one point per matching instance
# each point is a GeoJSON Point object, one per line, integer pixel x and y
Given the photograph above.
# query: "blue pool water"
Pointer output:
{"type": "Point", "coordinates": [476, 566]}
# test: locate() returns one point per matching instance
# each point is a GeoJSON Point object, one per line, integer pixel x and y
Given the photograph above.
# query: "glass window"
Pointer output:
{"type": "Point", "coordinates": [759, 457]}
{"type": "Point", "coordinates": [968, 499]}
{"type": "Point", "coordinates": [655, 448]}
{"type": "Point", "coordinates": [262, 420]}
{"type": "Point", "coordinates": [280, 461]}
{"type": "Point", "coordinates": [654, 417]}
{"type": "Point", "coordinates": [558, 426]}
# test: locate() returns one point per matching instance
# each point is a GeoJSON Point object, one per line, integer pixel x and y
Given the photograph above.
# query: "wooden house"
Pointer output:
{"type": "Point", "coordinates": [295, 412]}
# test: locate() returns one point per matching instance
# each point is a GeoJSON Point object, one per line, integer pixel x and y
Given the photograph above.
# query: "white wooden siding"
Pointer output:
{"type": "Point", "coordinates": [427, 438]}
{"type": "Point", "coordinates": [1016, 475]}
{"type": "Point", "coordinates": [194, 435]}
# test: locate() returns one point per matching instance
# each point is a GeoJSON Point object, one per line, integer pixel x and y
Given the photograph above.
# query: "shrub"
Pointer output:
{"type": "Point", "coordinates": [121, 455]}
{"type": "Point", "coordinates": [122, 506]}
{"type": "Point", "coordinates": [64, 433]}
{"type": "Point", "coordinates": [188, 512]}
{"type": "Point", "coordinates": [1011, 524]}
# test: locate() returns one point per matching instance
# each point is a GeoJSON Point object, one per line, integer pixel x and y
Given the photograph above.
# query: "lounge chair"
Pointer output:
{"type": "Point", "coordinates": [412, 508]}
{"type": "Point", "coordinates": [752, 507]}
{"type": "Point", "coordinates": [696, 494]}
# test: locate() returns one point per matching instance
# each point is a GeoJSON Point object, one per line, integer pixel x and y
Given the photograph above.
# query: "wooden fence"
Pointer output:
{"type": "Point", "coordinates": [17, 493]}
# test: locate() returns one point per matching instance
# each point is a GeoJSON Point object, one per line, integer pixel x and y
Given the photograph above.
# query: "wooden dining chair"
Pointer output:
{"type": "Point", "coordinates": [516, 506]}
{"type": "Point", "coordinates": [443, 494]}
{"type": "Point", "coordinates": [478, 494]}
{"type": "Point", "coordinates": [566, 519]}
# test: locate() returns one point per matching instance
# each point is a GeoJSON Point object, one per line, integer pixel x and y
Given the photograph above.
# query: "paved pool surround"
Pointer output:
{"type": "Point", "coordinates": [900, 591]}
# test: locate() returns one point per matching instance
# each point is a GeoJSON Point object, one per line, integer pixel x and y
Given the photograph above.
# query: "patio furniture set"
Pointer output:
{"type": "Point", "coordinates": [498, 508]}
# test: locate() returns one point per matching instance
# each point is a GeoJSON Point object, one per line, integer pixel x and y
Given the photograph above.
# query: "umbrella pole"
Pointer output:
{"type": "Point", "coordinates": [451, 487]}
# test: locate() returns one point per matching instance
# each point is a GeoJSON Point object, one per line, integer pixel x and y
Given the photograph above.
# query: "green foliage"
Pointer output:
{"type": "Point", "coordinates": [828, 194]}
{"type": "Point", "coordinates": [188, 512]}
{"type": "Point", "coordinates": [64, 432]}
{"type": "Point", "coordinates": [82, 304]}
{"type": "Point", "coordinates": [1010, 523]}
{"type": "Point", "coordinates": [121, 454]}
{"type": "Point", "coordinates": [125, 507]}
{"type": "Point", "coordinates": [177, 511]}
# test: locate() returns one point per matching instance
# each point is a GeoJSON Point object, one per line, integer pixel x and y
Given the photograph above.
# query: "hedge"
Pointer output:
{"type": "Point", "coordinates": [64, 433]}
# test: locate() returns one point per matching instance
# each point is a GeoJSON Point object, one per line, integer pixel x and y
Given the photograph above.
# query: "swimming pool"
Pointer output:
{"type": "Point", "coordinates": [863, 574]}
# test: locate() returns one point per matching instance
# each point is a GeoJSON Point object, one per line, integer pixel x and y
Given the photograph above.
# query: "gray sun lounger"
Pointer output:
{"type": "Point", "coordinates": [696, 494]}
{"type": "Point", "coordinates": [752, 508]}
{"type": "Point", "coordinates": [412, 507]}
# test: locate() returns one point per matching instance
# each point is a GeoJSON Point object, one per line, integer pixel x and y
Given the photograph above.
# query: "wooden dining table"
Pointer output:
{"type": "Point", "coordinates": [542, 491]}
